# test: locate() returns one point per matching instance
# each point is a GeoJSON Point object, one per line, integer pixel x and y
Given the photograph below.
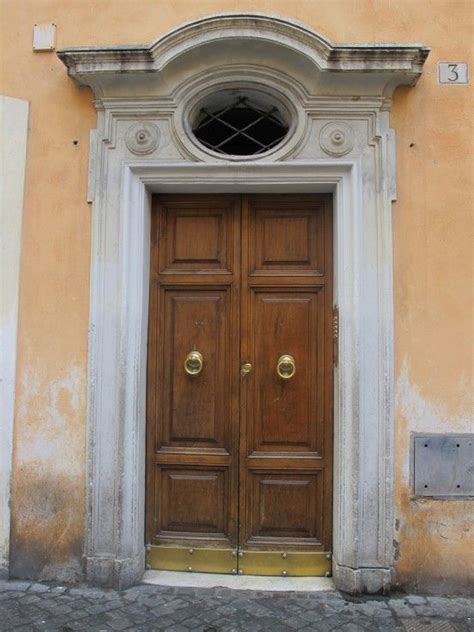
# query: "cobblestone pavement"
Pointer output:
{"type": "Point", "coordinates": [31, 606]}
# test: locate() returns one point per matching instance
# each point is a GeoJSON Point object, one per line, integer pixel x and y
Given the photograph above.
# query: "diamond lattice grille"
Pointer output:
{"type": "Point", "coordinates": [241, 128]}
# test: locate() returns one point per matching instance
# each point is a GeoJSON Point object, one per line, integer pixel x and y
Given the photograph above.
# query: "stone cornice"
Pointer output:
{"type": "Point", "coordinates": [396, 64]}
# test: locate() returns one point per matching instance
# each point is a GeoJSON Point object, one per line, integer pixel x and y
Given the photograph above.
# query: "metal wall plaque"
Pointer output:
{"type": "Point", "coordinates": [44, 37]}
{"type": "Point", "coordinates": [453, 72]}
{"type": "Point", "coordinates": [443, 465]}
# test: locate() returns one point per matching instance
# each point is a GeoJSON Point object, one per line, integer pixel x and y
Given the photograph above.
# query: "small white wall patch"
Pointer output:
{"type": "Point", "coordinates": [44, 37]}
{"type": "Point", "coordinates": [453, 72]}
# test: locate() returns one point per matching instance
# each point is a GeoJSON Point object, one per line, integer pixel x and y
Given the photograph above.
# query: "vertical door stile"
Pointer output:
{"type": "Point", "coordinates": [247, 356]}
{"type": "Point", "coordinates": [233, 371]}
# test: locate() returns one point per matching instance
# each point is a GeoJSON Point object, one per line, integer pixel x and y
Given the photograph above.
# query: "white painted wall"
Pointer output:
{"type": "Point", "coordinates": [13, 139]}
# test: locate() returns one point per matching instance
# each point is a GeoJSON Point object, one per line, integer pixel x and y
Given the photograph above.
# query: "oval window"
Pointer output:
{"type": "Point", "coordinates": [240, 124]}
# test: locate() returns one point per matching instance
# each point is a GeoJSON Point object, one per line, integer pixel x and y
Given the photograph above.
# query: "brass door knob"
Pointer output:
{"type": "Point", "coordinates": [245, 368]}
{"type": "Point", "coordinates": [286, 366]}
{"type": "Point", "coordinates": [194, 363]}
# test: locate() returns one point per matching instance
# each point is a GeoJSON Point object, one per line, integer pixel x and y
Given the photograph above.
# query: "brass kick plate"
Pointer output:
{"type": "Point", "coordinates": [173, 558]}
{"type": "Point", "coordinates": [278, 563]}
{"type": "Point", "coordinates": [273, 563]}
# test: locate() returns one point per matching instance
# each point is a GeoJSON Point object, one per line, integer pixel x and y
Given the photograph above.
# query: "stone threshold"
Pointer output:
{"type": "Point", "coordinates": [239, 582]}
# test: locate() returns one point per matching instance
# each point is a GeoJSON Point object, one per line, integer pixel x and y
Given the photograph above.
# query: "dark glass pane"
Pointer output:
{"type": "Point", "coordinates": [240, 117]}
{"type": "Point", "coordinates": [214, 133]}
{"type": "Point", "coordinates": [267, 131]}
{"type": "Point", "coordinates": [240, 146]}
{"type": "Point", "coordinates": [240, 129]}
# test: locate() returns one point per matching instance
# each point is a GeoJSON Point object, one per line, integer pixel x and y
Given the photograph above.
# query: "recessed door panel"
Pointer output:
{"type": "Point", "coordinates": [287, 236]}
{"type": "Point", "coordinates": [284, 410]}
{"type": "Point", "coordinates": [282, 506]}
{"type": "Point", "coordinates": [197, 234]}
{"type": "Point", "coordinates": [195, 402]}
{"type": "Point", "coordinates": [191, 502]}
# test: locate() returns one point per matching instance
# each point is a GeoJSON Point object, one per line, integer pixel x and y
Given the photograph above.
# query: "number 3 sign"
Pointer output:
{"type": "Point", "coordinates": [453, 72]}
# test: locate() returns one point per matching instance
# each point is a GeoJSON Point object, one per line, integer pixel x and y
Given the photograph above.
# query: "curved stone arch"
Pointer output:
{"type": "Point", "coordinates": [261, 27]}
{"type": "Point", "coordinates": [346, 148]}
{"type": "Point", "coordinates": [290, 34]}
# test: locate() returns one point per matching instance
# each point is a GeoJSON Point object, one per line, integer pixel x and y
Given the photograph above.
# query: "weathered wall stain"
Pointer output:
{"type": "Point", "coordinates": [435, 539]}
{"type": "Point", "coordinates": [47, 529]}
{"type": "Point", "coordinates": [50, 439]}
{"type": "Point", "coordinates": [433, 415]}
{"type": "Point", "coordinates": [48, 482]}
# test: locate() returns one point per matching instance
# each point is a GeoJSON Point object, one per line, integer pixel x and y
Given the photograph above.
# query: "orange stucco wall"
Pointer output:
{"type": "Point", "coordinates": [433, 259]}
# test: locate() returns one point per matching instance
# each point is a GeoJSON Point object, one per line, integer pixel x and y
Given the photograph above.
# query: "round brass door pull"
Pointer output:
{"type": "Point", "coordinates": [194, 363]}
{"type": "Point", "coordinates": [286, 366]}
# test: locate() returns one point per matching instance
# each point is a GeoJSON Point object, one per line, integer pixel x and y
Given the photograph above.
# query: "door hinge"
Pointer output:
{"type": "Point", "coordinates": [335, 335]}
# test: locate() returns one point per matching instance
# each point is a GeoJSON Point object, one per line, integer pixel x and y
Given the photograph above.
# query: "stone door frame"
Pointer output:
{"type": "Point", "coordinates": [363, 423]}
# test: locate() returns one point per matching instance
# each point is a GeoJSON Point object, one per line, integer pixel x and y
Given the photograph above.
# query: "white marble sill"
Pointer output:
{"type": "Point", "coordinates": [240, 582]}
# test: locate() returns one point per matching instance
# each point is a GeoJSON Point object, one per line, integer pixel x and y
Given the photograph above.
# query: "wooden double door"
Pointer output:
{"type": "Point", "coordinates": [240, 364]}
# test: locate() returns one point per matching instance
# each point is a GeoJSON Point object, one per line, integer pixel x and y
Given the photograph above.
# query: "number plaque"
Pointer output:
{"type": "Point", "coordinates": [453, 72]}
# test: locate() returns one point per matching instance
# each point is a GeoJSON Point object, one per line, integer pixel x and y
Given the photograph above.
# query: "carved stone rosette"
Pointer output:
{"type": "Point", "coordinates": [336, 138]}
{"type": "Point", "coordinates": [142, 138]}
